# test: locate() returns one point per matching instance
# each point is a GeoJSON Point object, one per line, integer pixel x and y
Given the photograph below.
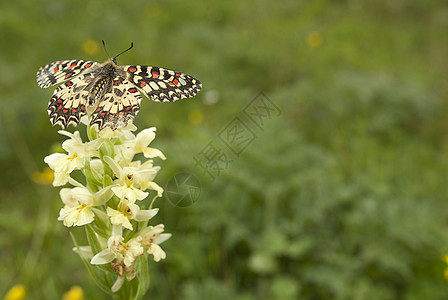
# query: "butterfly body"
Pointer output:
{"type": "Point", "coordinates": [107, 92]}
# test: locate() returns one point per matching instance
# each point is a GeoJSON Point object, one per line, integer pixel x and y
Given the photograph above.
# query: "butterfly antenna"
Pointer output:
{"type": "Point", "coordinates": [104, 46]}
{"type": "Point", "coordinates": [132, 45]}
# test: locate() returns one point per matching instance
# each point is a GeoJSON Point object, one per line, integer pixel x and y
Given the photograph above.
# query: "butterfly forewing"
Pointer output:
{"type": "Point", "coordinates": [161, 84]}
{"type": "Point", "coordinates": [60, 71]}
{"type": "Point", "coordinates": [109, 91]}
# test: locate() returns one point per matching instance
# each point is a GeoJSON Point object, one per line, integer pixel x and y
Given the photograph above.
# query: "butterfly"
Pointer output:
{"type": "Point", "coordinates": [108, 93]}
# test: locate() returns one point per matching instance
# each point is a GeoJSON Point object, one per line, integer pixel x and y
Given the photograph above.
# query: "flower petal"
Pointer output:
{"type": "Point", "coordinates": [134, 249]}
{"type": "Point", "coordinates": [60, 178]}
{"type": "Point", "coordinates": [103, 257]}
{"type": "Point", "coordinates": [83, 195]}
{"type": "Point", "coordinates": [131, 193]}
{"type": "Point", "coordinates": [75, 183]}
{"type": "Point", "coordinates": [144, 138]}
{"type": "Point", "coordinates": [76, 216]}
{"type": "Point", "coordinates": [67, 197]}
{"type": "Point", "coordinates": [84, 251]}
{"type": "Point", "coordinates": [162, 238]}
{"type": "Point", "coordinates": [157, 252]}
{"type": "Point", "coordinates": [145, 215]}
{"type": "Point", "coordinates": [153, 152]}
{"type": "Point", "coordinates": [154, 186]}
{"type": "Point", "coordinates": [118, 284]}
{"type": "Point", "coordinates": [117, 218]}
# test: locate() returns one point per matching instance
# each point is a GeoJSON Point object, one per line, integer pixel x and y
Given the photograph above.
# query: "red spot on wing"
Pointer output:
{"type": "Point", "coordinates": [103, 113]}
{"type": "Point", "coordinates": [59, 101]}
{"type": "Point", "coordinates": [98, 109]}
{"type": "Point", "coordinates": [83, 107]}
{"type": "Point", "coordinates": [65, 111]}
{"type": "Point", "coordinates": [68, 75]}
{"type": "Point", "coordinates": [68, 83]}
{"type": "Point", "coordinates": [88, 65]}
{"type": "Point", "coordinates": [132, 69]}
{"type": "Point", "coordinates": [142, 83]}
{"type": "Point", "coordinates": [72, 65]}
{"type": "Point", "coordinates": [127, 108]}
{"type": "Point", "coordinates": [111, 116]}
{"type": "Point", "coordinates": [170, 83]}
{"type": "Point", "coordinates": [132, 90]}
{"type": "Point", "coordinates": [155, 74]}
{"type": "Point", "coordinates": [73, 110]}
{"type": "Point", "coordinates": [59, 107]}
{"type": "Point", "coordinates": [56, 69]}
{"type": "Point", "coordinates": [116, 82]}
{"type": "Point", "coordinates": [175, 81]}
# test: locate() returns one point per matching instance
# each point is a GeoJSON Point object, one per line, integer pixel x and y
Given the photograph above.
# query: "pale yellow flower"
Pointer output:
{"type": "Point", "coordinates": [132, 181]}
{"type": "Point", "coordinates": [133, 144]}
{"type": "Point", "coordinates": [78, 203]}
{"type": "Point", "coordinates": [127, 211]}
{"type": "Point", "coordinates": [119, 252]}
{"type": "Point", "coordinates": [152, 236]}
{"type": "Point", "coordinates": [64, 164]}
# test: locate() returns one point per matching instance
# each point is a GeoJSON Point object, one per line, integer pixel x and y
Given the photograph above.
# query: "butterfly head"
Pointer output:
{"type": "Point", "coordinates": [114, 59]}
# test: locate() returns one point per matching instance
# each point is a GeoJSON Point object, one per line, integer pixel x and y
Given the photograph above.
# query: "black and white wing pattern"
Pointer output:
{"type": "Point", "coordinates": [160, 84]}
{"type": "Point", "coordinates": [60, 71]}
{"type": "Point", "coordinates": [108, 93]}
{"type": "Point", "coordinates": [118, 106]}
{"type": "Point", "coordinates": [69, 101]}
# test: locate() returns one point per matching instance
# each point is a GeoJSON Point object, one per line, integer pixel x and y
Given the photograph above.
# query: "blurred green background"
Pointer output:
{"type": "Point", "coordinates": [341, 196]}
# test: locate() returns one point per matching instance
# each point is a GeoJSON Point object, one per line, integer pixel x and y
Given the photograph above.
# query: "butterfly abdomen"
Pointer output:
{"type": "Point", "coordinates": [100, 87]}
{"type": "Point", "coordinates": [103, 85]}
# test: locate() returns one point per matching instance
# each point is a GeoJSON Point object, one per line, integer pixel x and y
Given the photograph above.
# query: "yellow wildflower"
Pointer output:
{"type": "Point", "coordinates": [314, 39]}
{"type": "Point", "coordinates": [17, 292]}
{"type": "Point", "coordinates": [74, 293]}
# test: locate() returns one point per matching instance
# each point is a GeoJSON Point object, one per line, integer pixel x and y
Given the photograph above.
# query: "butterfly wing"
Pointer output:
{"type": "Point", "coordinates": [119, 102]}
{"type": "Point", "coordinates": [161, 84]}
{"type": "Point", "coordinates": [68, 103]}
{"type": "Point", "coordinates": [60, 71]}
{"type": "Point", "coordinates": [117, 107]}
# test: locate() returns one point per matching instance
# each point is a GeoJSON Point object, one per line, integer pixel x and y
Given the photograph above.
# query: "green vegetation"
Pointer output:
{"type": "Point", "coordinates": [341, 196]}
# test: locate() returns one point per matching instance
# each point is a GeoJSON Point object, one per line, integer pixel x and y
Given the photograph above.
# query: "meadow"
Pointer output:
{"type": "Point", "coordinates": [327, 121]}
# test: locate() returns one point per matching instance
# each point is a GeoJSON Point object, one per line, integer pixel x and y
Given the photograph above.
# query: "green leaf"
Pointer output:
{"type": "Point", "coordinates": [142, 268]}
{"type": "Point", "coordinates": [107, 149]}
{"type": "Point", "coordinates": [93, 181]}
{"type": "Point", "coordinates": [93, 240]}
{"type": "Point", "coordinates": [107, 180]}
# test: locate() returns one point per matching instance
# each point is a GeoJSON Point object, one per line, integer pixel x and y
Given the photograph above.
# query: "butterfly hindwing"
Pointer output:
{"type": "Point", "coordinates": [161, 84]}
{"type": "Point", "coordinates": [69, 100]}
{"type": "Point", "coordinates": [60, 71]}
{"type": "Point", "coordinates": [118, 106]}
